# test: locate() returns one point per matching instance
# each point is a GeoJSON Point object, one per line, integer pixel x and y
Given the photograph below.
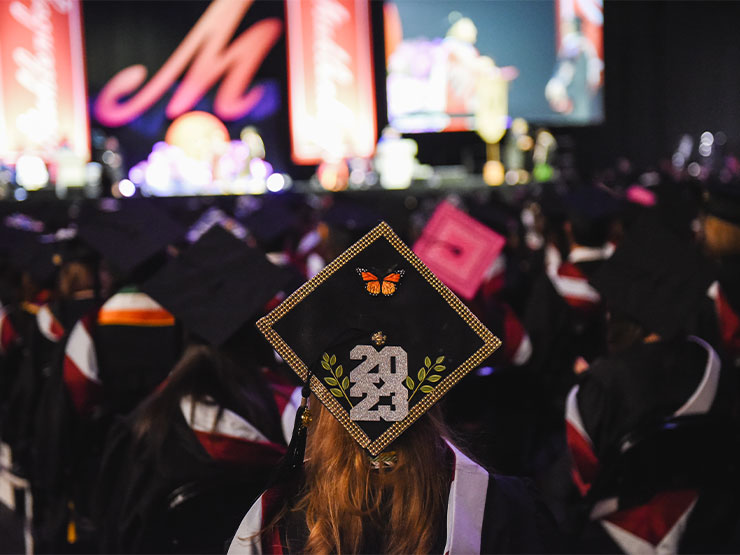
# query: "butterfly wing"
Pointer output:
{"type": "Point", "coordinates": [372, 283]}
{"type": "Point", "coordinates": [390, 282]}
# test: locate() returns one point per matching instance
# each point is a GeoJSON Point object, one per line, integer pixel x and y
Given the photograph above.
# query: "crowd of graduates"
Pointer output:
{"type": "Point", "coordinates": [146, 411]}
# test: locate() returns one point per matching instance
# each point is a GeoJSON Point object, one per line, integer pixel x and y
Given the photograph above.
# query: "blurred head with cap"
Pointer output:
{"type": "Point", "coordinates": [591, 212]}
{"type": "Point", "coordinates": [655, 281]}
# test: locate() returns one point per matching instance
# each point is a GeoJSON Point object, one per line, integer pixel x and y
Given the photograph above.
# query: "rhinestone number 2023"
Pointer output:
{"type": "Point", "coordinates": [365, 384]}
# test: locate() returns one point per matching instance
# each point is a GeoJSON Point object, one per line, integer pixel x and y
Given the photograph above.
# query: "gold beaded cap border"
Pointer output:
{"type": "Point", "coordinates": [382, 230]}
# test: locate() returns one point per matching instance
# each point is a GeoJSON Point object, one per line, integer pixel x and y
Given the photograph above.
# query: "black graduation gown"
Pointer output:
{"type": "Point", "coordinates": [126, 360]}
{"type": "Point", "coordinates": [137, 481]}
{"type": "Point", "coordinates": [624, 393]}
{"type": "Point", "coordinates": [40, 347]}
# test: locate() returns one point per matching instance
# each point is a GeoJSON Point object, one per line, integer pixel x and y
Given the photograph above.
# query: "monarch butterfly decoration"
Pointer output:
{"type": "Point", "coordinates": [375, 285]}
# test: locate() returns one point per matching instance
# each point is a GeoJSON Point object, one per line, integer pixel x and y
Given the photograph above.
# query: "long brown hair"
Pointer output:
{"type": "Point", "coordinates": [344, 498]}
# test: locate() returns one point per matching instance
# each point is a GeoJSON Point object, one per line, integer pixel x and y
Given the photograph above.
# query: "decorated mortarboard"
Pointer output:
{"type": "Point", "coordinates": [379, 336]}
{"type": "Point", "coordinates": [655, 278]}
{"type": "Point", "coordinates": [128, 233]}
{"type": "Point", "coordinates": [216, 285]}
{"type": "Point", "coordinates": [458, 249]}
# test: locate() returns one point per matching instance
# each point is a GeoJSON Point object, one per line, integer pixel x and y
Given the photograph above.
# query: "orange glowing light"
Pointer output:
{"type": "Point", "coordinates": [199, 134]}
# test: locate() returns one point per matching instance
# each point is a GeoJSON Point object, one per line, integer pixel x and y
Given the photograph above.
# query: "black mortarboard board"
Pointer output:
{"type": "Point", "coordinates": [216, 285]}
{"type": "Point", "coordinates": [590, 211]}
{"type": "Point", "coordinates": [40, 259]}
{"type": "Point", "coordinates": [351, 215]}
{"type": "Point", "coordinates": [380, 351]}
{"type": "Point", "coordinates": [591, 203]}
{"type": "Point", "coordinates": [128, 233]}
{"type": "Point", "coordinates": [654, 278]}
{"type": "Point", "coordinates": [276, 217]}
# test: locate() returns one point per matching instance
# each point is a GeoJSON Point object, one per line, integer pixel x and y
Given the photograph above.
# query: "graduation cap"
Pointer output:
{"type": "Point", "coordinates": [351, 216]}
{"type": "Point", "coordinates": [216, 285]}
{"type": "Point", "coordinates": [458, 249]}
{"type": "Point", "coordinates": [654, 278]}
{"type": "Point", "coordinates": [276, 217]}
{"type": "Point", "coordinates": [590, 210]}
{"type": "Point", "coordinates": [40, 259]}
{"type": "Point", "coordinates": [128, 233]}
{"type": "Point", "coordinates": [379, 337]}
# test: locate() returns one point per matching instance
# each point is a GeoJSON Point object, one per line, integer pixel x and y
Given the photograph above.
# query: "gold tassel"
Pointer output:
{"type": "Point", "coordinates": [71, 526]}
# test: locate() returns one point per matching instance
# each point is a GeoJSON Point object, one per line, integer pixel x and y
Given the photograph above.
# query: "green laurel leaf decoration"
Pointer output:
{"type": "Point", "coordinates": [425, 375]}
{"type": "Point", "coordinates": [340, 385]}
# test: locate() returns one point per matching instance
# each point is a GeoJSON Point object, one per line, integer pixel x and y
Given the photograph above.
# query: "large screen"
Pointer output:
{"type": "Point", "coordinates": [439, 53]}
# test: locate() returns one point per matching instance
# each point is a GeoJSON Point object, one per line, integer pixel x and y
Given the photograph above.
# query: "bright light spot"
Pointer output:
{"type": "Point", "coordinates": [357, 176]}
{"type": "Point", "coordinates": [94, 173]}
{"type": "Point", "coordinates": [275, 182]}
{"type": "Point", "coordinates": [259, 168]}
{"type": "Point", "coordinates": [31, 172]}
{"type": "Point", "coordinates": [707, 138]}
{"type": "Point", "coordinates": [137, 174]}
{"type": "Point", "coordinates": [126, 188]}
{"type": "Point", "coordinates": [199, 134]}
{"type": "Point", "coordinates": [493, 173]}
{"type": "Point", "coordinates": [694, 169]}
{"type": "Point", "coordinates": [705, 149]}
{"type": "Point", "coordinates": [485, 371]}
{"type": "Point", "coordinates": [511, 177]}
{"type": "Point", "coordinates": [678, 160]}
{"type": "Point", "coordinates": [108, 157]}
{"type": "Point", "coordinates": [20, 194]}
{"type": "Point", "coordinates": [158, 177]}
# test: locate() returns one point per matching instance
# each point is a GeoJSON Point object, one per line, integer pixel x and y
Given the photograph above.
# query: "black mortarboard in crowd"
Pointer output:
{"type": "Point", "coordinates": [350, 215]}
{"type": "Point", "coordinates": [128, 233]}
{"type": "Point", "coordinates": [277, 217]}
{"type": "Point", "coordinates": [590, 211]}
{"type": "Point", "coordinates": [654, 278]}
{"type": "Point", "coordinates": [216, 285]}
{"type": "Point", "coordinates": [39, 258]}
{"type": "Point", "coordinates": [383, 338]}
